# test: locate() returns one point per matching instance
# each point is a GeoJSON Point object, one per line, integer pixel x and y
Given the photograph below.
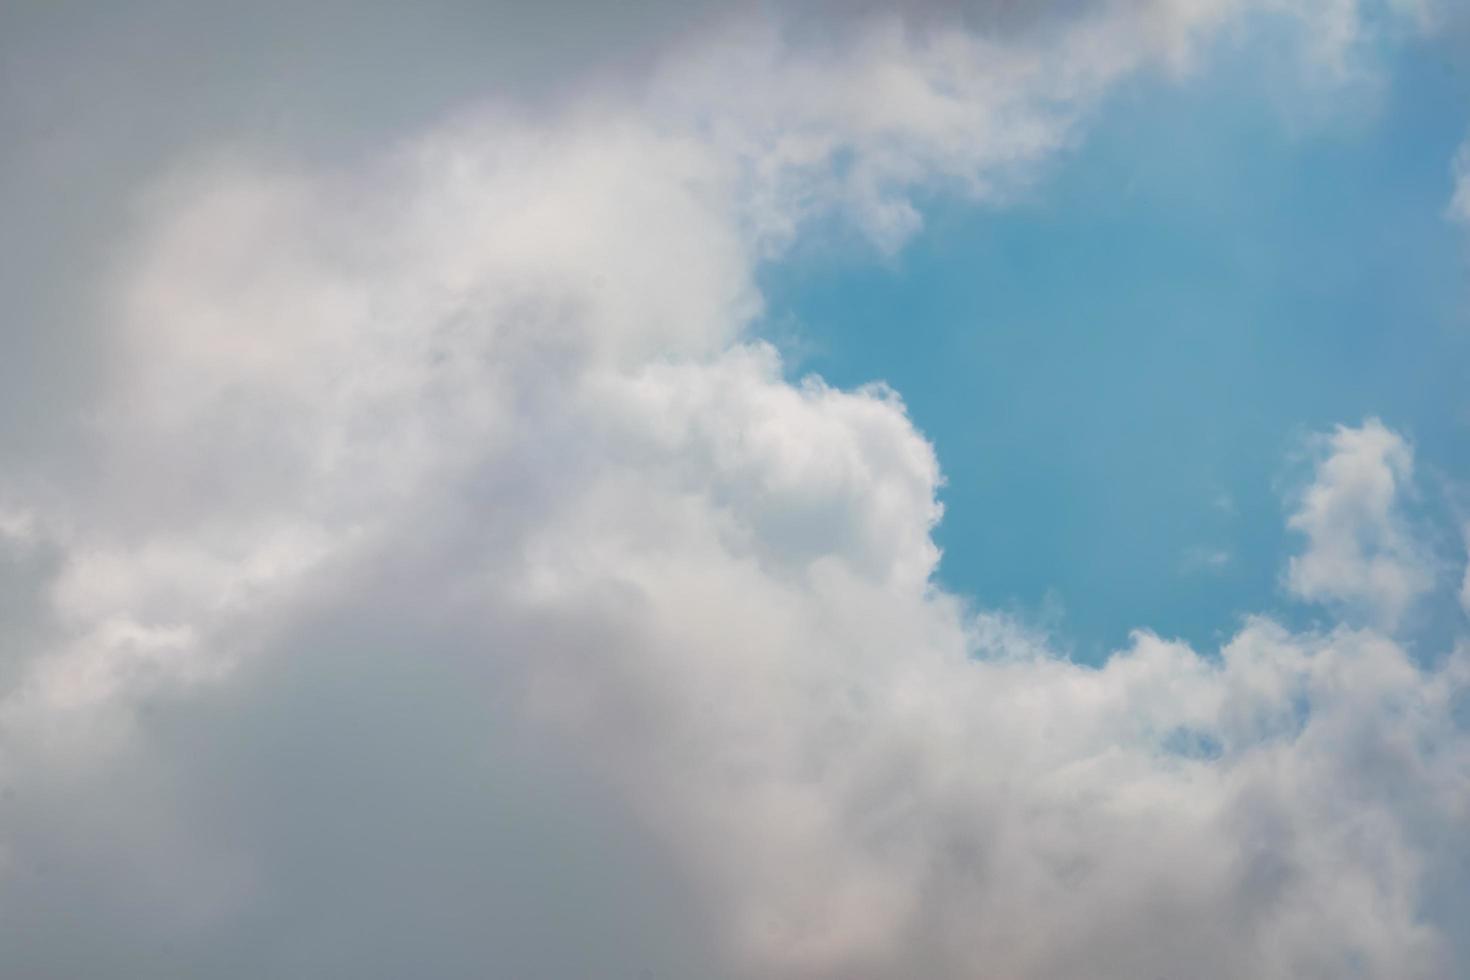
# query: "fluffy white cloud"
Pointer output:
{"type": "Point", "coordinates": [1360, 551]}
{"type": "Point", "coordinates": [448, 587]}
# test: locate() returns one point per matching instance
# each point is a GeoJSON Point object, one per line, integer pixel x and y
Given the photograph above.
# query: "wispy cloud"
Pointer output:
{"type": "Point", "coordinates": [1459, 208]}
{"type": "Point", "coordinates": [1202, 559]}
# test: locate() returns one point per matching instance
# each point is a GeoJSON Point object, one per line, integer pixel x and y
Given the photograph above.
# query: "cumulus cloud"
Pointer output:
{"type": "Point", "coordinates": [1360, 551]}
{"type": "Point", "coordinates": [446, 585]}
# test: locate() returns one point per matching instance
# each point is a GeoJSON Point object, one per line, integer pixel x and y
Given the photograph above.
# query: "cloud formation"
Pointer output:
{"type": "Point", "coordinates": [1360, 552]}
{"type": "Point", "coordinates": [446, 585]}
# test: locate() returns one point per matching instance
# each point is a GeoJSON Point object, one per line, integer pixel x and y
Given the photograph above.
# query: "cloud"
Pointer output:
{"type": "Point", "coordinates": [445, 584]}
{"type": "Point", "coordinates": [1460, 199]}
{"type": "Point", "coordinates": [1201, 559]}
{"type": "Point", "coordinates": [1360, 552]}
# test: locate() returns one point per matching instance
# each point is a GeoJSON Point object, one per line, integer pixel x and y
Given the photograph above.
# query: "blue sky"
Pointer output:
{"type": "Point", "coordinates": [1118, 371]}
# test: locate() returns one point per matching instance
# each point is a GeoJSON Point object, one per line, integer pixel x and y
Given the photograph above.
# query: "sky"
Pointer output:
{"type": "Point", "coordinates": [1160, 319]}
{"type": "Point", "coordinates": [812, 491]}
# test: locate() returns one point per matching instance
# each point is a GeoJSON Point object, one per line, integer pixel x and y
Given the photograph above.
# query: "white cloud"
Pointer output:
{"type": "Point", "coordinates": [1460, 198]}
{"type": "Point", "coordinates": [451, 587]}
{"type": "Point", "coordinates": [1360, 551]}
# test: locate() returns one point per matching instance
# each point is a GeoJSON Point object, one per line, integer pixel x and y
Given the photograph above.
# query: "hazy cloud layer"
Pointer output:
{"type": "Point", "coordinates": [439, 582]}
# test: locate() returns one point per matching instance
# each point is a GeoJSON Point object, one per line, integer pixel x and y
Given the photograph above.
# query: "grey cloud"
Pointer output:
{"type": "Point", "coordinates": [361, 804]}
{"type": "Point", "coordinates": [97, 99]}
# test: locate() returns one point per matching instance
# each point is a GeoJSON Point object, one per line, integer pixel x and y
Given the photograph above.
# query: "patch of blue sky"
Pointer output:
{"type": "Point", "coordinates": [1119, 372]}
